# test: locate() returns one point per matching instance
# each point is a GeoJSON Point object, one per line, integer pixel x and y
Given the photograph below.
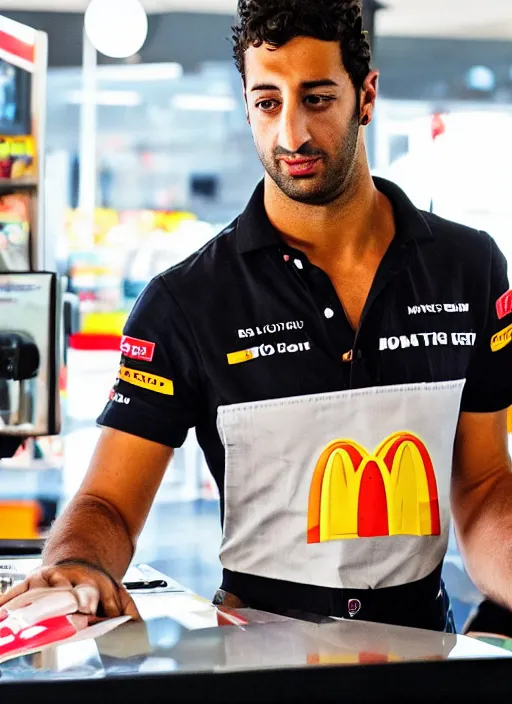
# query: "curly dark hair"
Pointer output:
{"type": "Point", "coordinates": [276, 22]}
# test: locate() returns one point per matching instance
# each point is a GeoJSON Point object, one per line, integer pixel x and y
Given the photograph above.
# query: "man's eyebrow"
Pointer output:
{"type": "Point", "coordinates": [263, 86]}
{"type": "Point", "coordinates": [322, 83]}
{"type": "Point", "coordinates": [306, 85]}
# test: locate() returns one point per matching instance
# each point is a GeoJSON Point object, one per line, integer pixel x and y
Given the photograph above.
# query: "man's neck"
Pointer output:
{"type": "Point", "coordinates": [358, 222]}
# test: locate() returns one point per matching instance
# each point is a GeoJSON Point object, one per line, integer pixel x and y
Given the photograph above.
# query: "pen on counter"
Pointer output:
{"type": "Point", "coordinates": [9, 577]}
{"type": "Point", "coordinates": [144, 577]}
{"type": "Point", "coordinates": [150, 584]}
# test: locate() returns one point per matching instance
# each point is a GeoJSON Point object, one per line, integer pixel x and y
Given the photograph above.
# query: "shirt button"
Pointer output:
{"type": "Point", "coordinates": [298, 264]}
{"type": "Point", "coordinates": [329, 313]}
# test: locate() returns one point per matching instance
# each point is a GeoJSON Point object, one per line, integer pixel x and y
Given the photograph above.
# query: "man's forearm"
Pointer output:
{"type": "Point", "coordinates": [487, 543]}
{"type": "Point", "coordinates": [91, 529]}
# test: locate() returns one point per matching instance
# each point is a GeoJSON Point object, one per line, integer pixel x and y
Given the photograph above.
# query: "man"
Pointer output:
{"type": "Point", "coordinates": [344, 359]}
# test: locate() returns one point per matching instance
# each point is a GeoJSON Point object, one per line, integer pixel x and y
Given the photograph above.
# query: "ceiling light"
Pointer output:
{"type": "Point", "coordinates": [117, 28]}
{"type": "Point", "coordinates": [121, 98]}
{"type": "Point", "coordinates": [481, 78]}
{"type": "Point", "coordinates": [140, 72]}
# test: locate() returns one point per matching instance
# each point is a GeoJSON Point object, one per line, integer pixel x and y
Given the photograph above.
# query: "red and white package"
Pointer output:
{"type": "Point", "coordinates": [39, 617]}
{"type": "Point", "coordinates": [49, 616]}
{"type": "Point", "coordinates": [33, 638]}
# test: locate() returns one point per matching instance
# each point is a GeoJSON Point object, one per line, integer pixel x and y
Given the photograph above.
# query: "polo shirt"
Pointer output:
{"type": "Point", "coordinates": [249, 318]}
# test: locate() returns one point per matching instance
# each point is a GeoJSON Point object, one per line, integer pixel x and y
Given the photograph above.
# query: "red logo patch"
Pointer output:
{"type": "Point", "coordinates": [504, 305]}
{"type": "Point", "coordinates": [137, 349]}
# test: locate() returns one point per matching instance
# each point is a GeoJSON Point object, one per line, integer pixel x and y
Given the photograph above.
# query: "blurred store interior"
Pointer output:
{"type": "Point", "coordinates": [149, 156]}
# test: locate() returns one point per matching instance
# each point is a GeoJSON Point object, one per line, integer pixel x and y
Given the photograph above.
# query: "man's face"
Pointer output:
{"type": "Point", "coordinates": [304, 115]}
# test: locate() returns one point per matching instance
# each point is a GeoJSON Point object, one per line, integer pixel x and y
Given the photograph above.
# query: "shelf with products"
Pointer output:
{"type": "Point", "coordinates": [18, 162]}
{"type": "Point", "coordinates": [18, 200]}
{"type": "Point", "coordinates": [15, 225]}
{"type": "Point", "coordinates": [23, 247]}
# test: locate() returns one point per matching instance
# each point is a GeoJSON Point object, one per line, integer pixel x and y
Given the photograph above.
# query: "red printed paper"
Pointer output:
{"type": "Point", "coordinates": [137, 349]}
{"type": "Point", "coordinates": [35, 637]}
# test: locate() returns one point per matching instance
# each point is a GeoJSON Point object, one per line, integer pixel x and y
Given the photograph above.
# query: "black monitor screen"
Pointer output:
{"type": "Point", "coordinates": [14, 100]}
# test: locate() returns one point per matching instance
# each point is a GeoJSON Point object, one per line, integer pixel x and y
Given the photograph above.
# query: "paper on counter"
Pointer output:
{"type": "Point", "coordinates": [44, 635]}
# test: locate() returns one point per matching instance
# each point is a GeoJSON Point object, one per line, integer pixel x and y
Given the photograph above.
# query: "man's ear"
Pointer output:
{"type": "Point", "coordinates": [369, 96]}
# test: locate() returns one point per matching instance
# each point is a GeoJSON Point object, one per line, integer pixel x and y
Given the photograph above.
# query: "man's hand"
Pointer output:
{"type": "Point", "coordinates": [105, 598]}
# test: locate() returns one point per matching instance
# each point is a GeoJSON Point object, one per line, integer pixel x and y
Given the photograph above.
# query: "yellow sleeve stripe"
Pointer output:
{"type": "Point", "coordinates": [501, 339]}
{"type": "Point", "coordinates": [147, 381]}
{"type": "Point", "coordinates": [240, 357]}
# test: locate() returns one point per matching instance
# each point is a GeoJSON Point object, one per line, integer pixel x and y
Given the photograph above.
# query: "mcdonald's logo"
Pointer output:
{"type": "Point", "coordinates": [358, 495]}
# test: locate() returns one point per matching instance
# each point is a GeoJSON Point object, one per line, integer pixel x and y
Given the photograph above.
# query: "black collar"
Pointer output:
{"type": "Point", "coordinates": [255, 231]}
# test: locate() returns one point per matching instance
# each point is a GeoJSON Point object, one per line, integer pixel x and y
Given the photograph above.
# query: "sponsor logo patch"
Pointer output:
{"type": "Point", "coordinates": [427, 339]}
{"type": "Point", "coordinates": [119, 398]}
{"type": "Point", "coordinates": [271, 329]}
{"type": "Point", "coordinates": [137, 349]}
{"type": "Point", "coordinates": [267, 351]}
{"type": "Point", "coordinates": [504, 305]}
{"type": "Point", "coordinates": [439, 308]}
{"type": "Point", "coordinates": [501, 339]}
{"type": "Point", "coordinates": [359, 494]}
{"type": "Point", "coordinates": [151, 382]}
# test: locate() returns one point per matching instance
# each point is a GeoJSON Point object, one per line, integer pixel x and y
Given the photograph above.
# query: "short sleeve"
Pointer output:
{"type": "Point", "coordinates": [489, 380]}
{"type": "Point", "coordinates": [158, 393]}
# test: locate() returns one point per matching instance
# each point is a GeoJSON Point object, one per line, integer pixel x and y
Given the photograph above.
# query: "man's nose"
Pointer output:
{"type": "Point", "coordinates": [293, 130]}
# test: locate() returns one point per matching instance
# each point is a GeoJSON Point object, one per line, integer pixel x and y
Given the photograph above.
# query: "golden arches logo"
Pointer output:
{"type": "Point", "coordinates": [358, 495]}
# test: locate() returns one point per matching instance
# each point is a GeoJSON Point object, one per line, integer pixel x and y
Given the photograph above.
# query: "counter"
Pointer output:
{"type": "Point", "coordinates": [187, 650]}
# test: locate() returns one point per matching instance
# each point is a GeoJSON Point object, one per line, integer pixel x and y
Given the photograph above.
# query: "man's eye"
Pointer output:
{"type": "Point", "coordinates": [317, 100]}
{"type": "Point", "coordinates": [266, 105]}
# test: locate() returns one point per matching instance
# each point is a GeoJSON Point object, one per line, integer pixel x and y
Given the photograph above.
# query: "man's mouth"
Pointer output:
{"type": "Point", "coordinates": [298, 167]}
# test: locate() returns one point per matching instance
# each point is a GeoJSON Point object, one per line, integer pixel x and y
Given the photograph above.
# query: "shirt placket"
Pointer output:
{"type": "Point", "coordinates": [345, 344]}
{"type": "Point", "coordinates": [337, 333]}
